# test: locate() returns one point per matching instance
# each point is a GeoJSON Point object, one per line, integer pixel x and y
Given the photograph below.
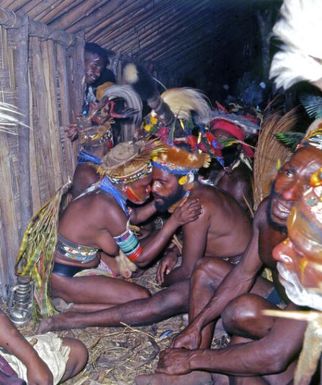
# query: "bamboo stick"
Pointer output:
{"type": "Point", "coordinates": [40, 117]}
{"type": "Point", "coordinates": [53, 122]}
{"type": "Point", "coordinates": [47, 14]}
{"type": "Point", "coordinates": [113, 20]}
{"type": "Point", "coordinates": [166, 20]}
{"type": "Point", "coordinates": [23, 105]}
{"type": "Point", "coordinates": [65, 112]}
{"type": "Point", "coordinates": [137, 13]}
{"type": "Point", "coordinates": [97, 16]}
{"type": "Point", "coordinates": [76, 13]}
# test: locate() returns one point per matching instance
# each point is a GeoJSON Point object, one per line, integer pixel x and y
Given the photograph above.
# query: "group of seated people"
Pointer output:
{"type": "Point", "coordinates": [216, 273]}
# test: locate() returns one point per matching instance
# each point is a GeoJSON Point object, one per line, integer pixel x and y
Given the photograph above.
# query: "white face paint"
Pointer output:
{"type": "Point", "coordinates": [295, 291]}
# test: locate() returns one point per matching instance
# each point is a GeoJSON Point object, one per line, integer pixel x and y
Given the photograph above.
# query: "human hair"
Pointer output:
{"type": "Point", "coordinates": [98, 50]}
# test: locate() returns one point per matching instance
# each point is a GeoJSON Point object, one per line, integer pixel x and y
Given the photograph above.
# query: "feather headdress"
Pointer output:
{"type": "Point", "coordinates": [178, 161]}
{"type": "Point", "coordinates": [300, 57]}
{"type": "Point", "coordinates": [131, 98]}
{"type": "Point", "coordinates": [96, 129]}
{"type": "Point", "coordinates": [185, 101]}
{"type": "Point", "coordinates": [129, 161]}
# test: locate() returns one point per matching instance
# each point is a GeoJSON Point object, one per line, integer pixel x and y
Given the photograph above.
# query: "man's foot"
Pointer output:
{"type": "Point", "coordinates": [52, 323]}
{"type": "Point", "coordinates": [193, 378]}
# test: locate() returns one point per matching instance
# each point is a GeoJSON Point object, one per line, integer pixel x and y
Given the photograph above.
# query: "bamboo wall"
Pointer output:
{"type": "Point", "coordinates": [40, 72]}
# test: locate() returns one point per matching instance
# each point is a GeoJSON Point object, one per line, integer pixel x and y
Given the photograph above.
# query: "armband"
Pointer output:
{"type": "Point", "coordinates": [129, 244]}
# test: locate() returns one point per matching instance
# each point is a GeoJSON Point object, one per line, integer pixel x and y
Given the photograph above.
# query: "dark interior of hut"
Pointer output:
{"type": "Point", "coordinates": [162, 217]}
{"type": "Point", "coordinates": [219, 46]}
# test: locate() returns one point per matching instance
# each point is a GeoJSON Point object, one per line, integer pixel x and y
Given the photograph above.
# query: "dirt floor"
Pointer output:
{"type": "Point", "coordinates": [118, 355]}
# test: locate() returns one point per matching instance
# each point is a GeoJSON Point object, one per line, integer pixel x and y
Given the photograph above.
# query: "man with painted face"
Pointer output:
{"type": "Point", "coordinates": [99, 219]}
{"type": "Point", "coordinates": [263, 349]}
{"type": "Point", "coordinates": [299, 262]}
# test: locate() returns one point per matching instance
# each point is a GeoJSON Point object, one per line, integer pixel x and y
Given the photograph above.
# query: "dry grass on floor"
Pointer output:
{"type": "Point", "coordinates": [118, 355]}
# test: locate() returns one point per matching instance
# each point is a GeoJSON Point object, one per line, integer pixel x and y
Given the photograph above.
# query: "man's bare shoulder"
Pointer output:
{"type": "Point", "coordinates": [260, 217]}
{"type": "Point", "coordinates": [207, 194]}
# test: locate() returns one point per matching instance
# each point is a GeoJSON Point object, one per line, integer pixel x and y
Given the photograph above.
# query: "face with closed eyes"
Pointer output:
{"type": "Point", "coordinates": [291, 181]}
{"type": "Point", "coordinates": [139, 191]}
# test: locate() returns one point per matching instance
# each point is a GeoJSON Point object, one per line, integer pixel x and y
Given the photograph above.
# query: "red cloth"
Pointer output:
{"type": "Point", "coordinates": [233, 130]}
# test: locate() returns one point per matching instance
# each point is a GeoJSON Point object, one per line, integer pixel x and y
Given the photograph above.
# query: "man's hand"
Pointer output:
{"type": "Point", "coordinates": [189, 338]}
{"type": "Point", "coordinates": [166, 265]}
{"type": "Point", "coordinates": [174, 361]}
{"type": "Point", "coordinates": [72, 131]}
{"type": "Point", "coordinates": [188, 212]}
{"type": "Point", "coordinates": [38, 373]}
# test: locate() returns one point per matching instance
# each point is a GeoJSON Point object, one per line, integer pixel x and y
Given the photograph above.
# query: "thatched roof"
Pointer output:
{"type": "Point", "coordinates": [185, 36]}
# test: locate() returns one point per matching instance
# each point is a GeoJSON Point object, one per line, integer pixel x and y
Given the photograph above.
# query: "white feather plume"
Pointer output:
{"type": "Point", "coordinates": [183, 101]}
{"type": "Point", "coordinates": [10, 118]}
{"type": "Point", "coordinates": [300, 57]}
{"type": "Point", "coordinates": [131, 98]}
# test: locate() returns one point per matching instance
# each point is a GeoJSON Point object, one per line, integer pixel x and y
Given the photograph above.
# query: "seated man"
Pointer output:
{"type": "Point", "coordinates": [221, 233]}
{"type": "Point", "coordinates": [263, 349]}
{"type": "Point", "coordinates": [98, 219]}
{"type": "Point", "coordinates": [40, 360]}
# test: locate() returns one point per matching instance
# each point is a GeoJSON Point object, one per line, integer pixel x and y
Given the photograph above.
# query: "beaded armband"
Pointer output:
{"type": "Point", "coordinates": [129, 244]}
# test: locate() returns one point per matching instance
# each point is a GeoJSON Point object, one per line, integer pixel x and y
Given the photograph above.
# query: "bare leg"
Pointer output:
{"type": "Point", "coordinates": [244, 319]}
{"type": "Point", "coordinates": [205, 281]}
{"type": "Point", "coordinates": [164, 304]}
{"type": "Point", "coordinates": [96, 290]}
{"type": "Point", "coordinates": [77, 359]}
{"type": "Point", "coordinates": [193, 378]}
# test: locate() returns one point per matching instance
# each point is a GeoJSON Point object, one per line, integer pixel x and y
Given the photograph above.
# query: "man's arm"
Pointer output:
{"type": "Point", "coordinates": [155, 243]}
{"type": "Point", "coordinates": [271, 354]}
{"type": "Point", "coordinates": [194, 244]}
{"type": "Point", "coordinates": [116, 224]}
{"type": "Point", "coordinates": [14, 343]}
{"type": "Point", "coordinates": [238, 281]}
{"type": "Point", "coordinates": [141, 214]}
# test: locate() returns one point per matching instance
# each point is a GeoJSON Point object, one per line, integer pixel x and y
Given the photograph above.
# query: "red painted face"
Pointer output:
{"type": "Point", "coordinates": [301, 252]}
{"type": "Point", "coordinates": [291, 181]}
{"type": "Point", "coordinates": [94, 66]}
{"type": "Point", "coordinates": [138, 192]}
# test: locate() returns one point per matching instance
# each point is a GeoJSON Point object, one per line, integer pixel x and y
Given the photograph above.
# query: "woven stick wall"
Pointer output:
{"type": "Point", "coordinates": [41, 73]}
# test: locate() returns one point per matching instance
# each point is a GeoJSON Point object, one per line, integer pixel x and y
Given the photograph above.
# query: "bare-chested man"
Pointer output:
{"type": "Point", "coordinates": [98, 219]}
{"type": "Point", "coordinates": [263, 349]}
{"type": "Point", "coordinates": [221, 231]}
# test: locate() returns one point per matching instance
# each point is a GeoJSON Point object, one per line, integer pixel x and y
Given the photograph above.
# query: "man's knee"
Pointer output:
{"type": "Point", "coordinates": [205, 274]}
{"type": "Point", "coordinates": [78, 356]}
{"type": "Point", "coordinates": [140, 292]}
{"type": "Point", "coordinates": [209, 271]}
{"type": "Point", "coordinates": [243, 316]}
